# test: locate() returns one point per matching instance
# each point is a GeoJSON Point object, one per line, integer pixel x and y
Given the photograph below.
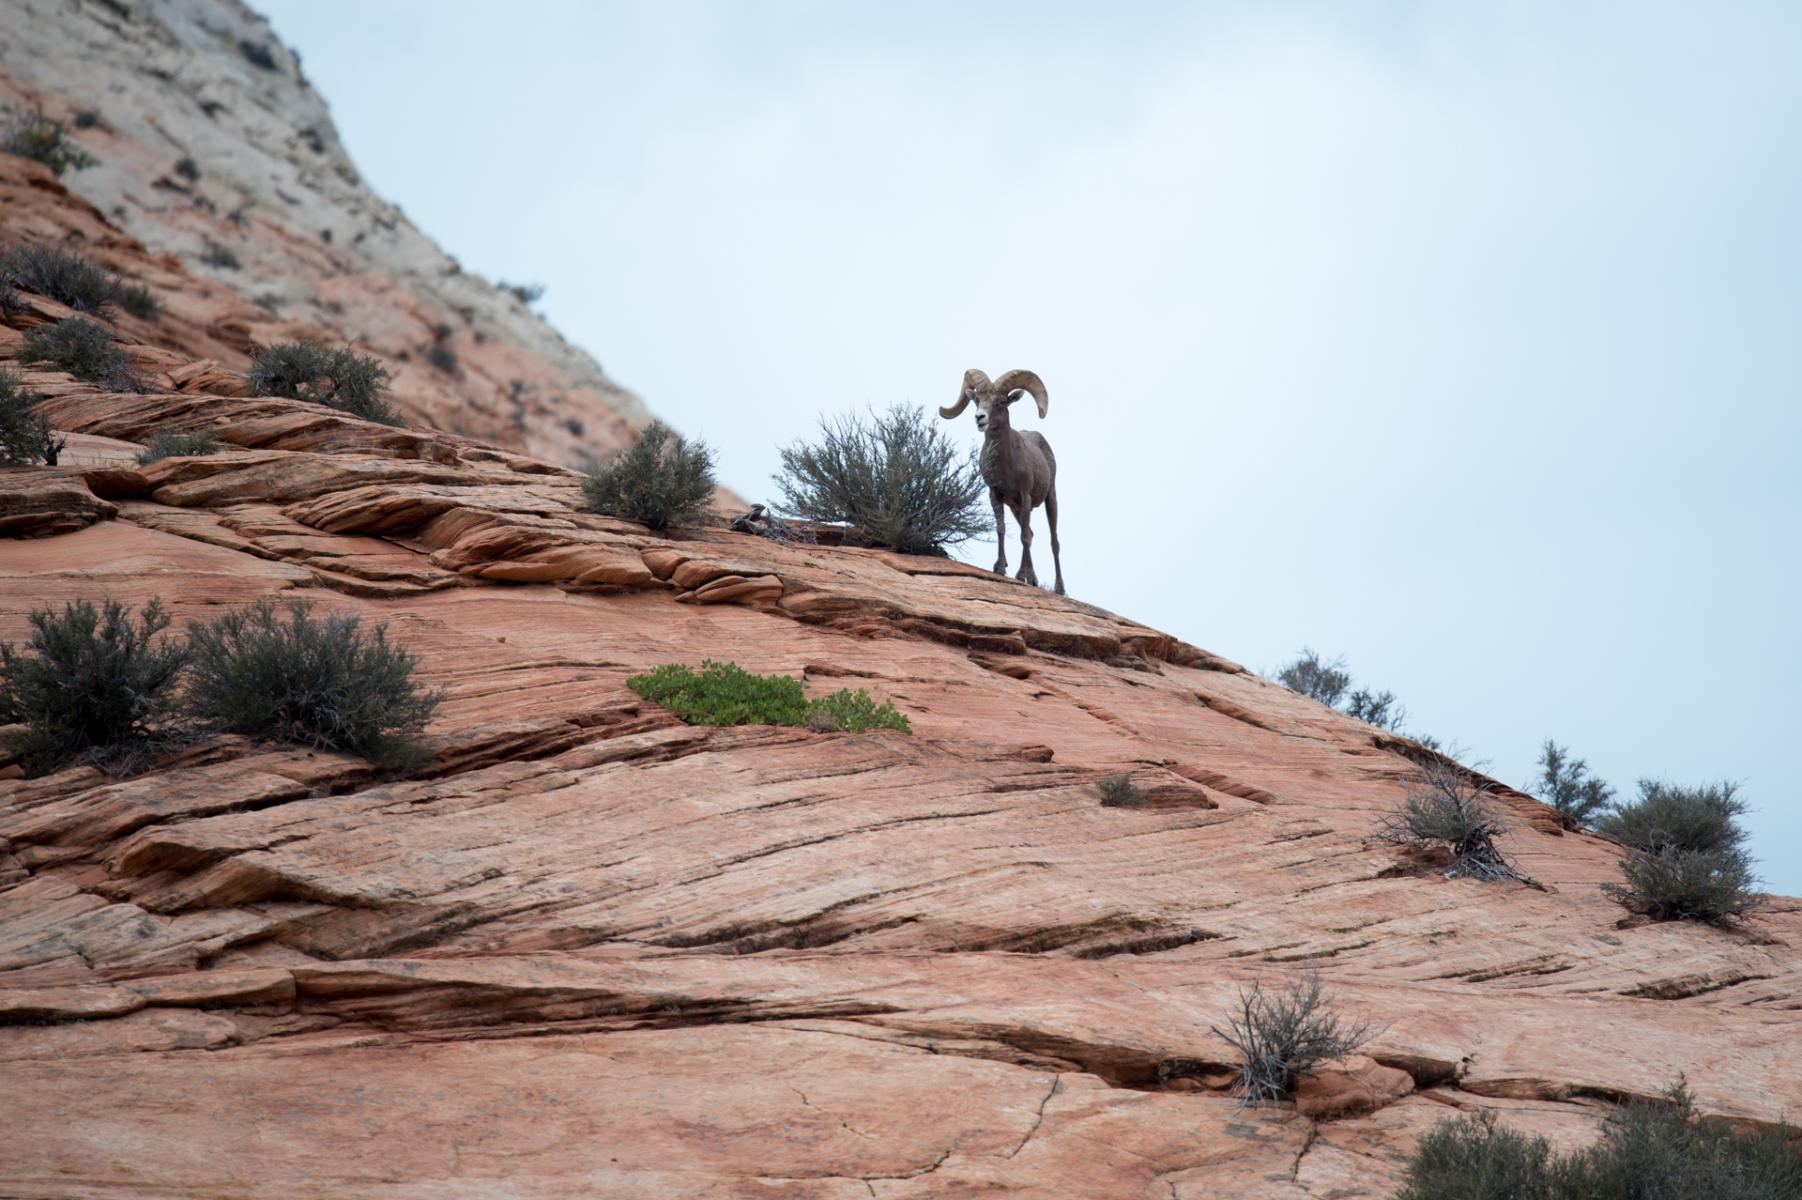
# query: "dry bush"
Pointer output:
{"type": "Point", "coordinates": [661, 480]}
{"type": "Point", "coordinates": [1686, 857]}
{"type": "Point", "coordinates": [1445, 807]}
{"type": "Point", "coordinates": [178, 445]}
{"type": "Point", "coordinates": [83, 349]}
{"type": "Point", "coordinates": [1283, 1035]}
{"type": "Point", "coordinates": [25, 436]}
{"type": "Point", "coordinates": [338, 378]}
{"type": "Point", "coordinates": [37, 137]}
{"type": "Point", "coordinates": [1119, 791]}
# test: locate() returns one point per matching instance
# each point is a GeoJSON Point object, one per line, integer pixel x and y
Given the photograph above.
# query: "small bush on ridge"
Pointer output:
{"type": "Point", "coordinates": [83, 349]}
{"type": "Point", "coordinates": [179, 445]}
{"type": "Point", "coordinates": [25, 436]}
{"type": "Point", "coordinates": [1446, 807]}
{"type": "Point", "coordinates": [727, 694]}
{"type": "Point", "coordinates": [1686, 856]}
{"type": "Point", "coordinates": [284, 674]}
{"type": "Point", "coordinates": [1119, 791]}
{"type": "Point", "coordinates": [1326, 682]}
{"type": "Point", "coordinates": [88, 680]}
{"type": "Point", "coordinates": [337, 378]}
{"type": "Point", "coordinates": [62, 275]}
{"type": "Point", "coordinates": [895, 476]}
{"type": "Point", "coordinates": [37, 137]}
{"type": "Point", "coordinates": [1376, 708]}
{"type": "Point", "coordinates": [1677, 818]}
{"type": "Point", "coordinates": [1566, 784]}
{"type": "Point", "coordinates": [1283, 1035]}
{"type": "Point", "coordinates": [1658, 1150]}
{"type": "Point", "coordinates": [661, 480]}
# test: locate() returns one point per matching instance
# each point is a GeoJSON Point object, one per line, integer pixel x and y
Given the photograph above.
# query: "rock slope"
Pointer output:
{"type": "Point", "coordinates": [272, 210]}
{"type": "Point", "coordinates": [591, 951]}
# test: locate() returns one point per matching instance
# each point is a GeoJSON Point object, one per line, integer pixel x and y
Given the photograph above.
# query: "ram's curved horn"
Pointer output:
{"type": "Point", "coordinates": [1024, 381]}
{"type": "Point", "coordinates": [973, 380]}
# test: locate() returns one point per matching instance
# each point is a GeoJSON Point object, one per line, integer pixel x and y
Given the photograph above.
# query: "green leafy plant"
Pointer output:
{"type": "Point", "coordinates": [727, 694]}
{"type": "Point", "coordinates": [337, 378]}
{"type": "Point", "coordinates": [1686, 857]}
{"type": "Point", "coordinates": [88, 680]}
{"type": "Point", "coordinates": [1283, 1035]}
{"type": "Point", "coordinates": [279, 672]}
{"type": "Point", "coordinates": [1119, 791]}
{"type": "Point", "coordinates": [25, 436]}
{"type": "Point", "coordinates": [661, 480]}
{"type": "Point", "coordinates": [893, 476]}
{"type": "Point", "coordinates": [83, 349]}
{"type": "Point", "coordinates": [1648, 1150]}
{"type": "Point", "coordinates": [1566, 784]}
{"type": "Point", "coordinates": [179, 445]}
{"type": "Point", "coordinates": [41, 139]}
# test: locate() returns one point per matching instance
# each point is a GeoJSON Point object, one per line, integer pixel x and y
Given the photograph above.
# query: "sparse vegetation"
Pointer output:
{"type": "Point", "coordinates": [1444, 807]}
{"type": "Point", "coordinates": [1283, 1035]}
{"type": "Point", "coordinates": [1686, 856]}
{"type": "Point", "coordinates": [258, 55]}
{"type": "Point", "coordinates": [41, 139]}
{"type": "Point", "coordinates": [727, 694]}
{"type": "Point", "coordinates": [25, 436]}
{"type": "Point", "coordinates": [188, 169]}
{"type": "Point", "coordinates": [88, 681]}
{"type": "Point", "coordinates": [661, 480]}
{"type": "Point", "coordinates": [83, 349]}
{"type": "Point", "coordinates": [280, 672]}
{"type": "Point", "coordinates": [1119, 791]}
{"type": "Point", "coordinates": [442, 357]}
{"type": "Point", "coordinates": [1658, 1150]}
{"type": "Point", "coordinates": [1330, 683]}
{"type": "Point", "coordinates": [1566, 784]}
{"type": "Point", "coordinates": [525, 293]}
{"type": "Point", "coordinates": [337, 378]}
{"type": "Point", "coordinates": [894, 476]}
{"type": "Point", "coordinates": [70, 279]}
{"type": "Point", "coordinates": [220, 256]}
{"type": "Point", "coordinates": [179, 445]}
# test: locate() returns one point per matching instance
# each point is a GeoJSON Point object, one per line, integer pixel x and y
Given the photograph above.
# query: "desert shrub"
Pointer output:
{"type": "Point", "coordinates": [525, 293]}
{"type": "Point", "coordinates": [281, 673]}
{"type": "Point", "coordinates": [258, 55]}
{"type": "Point", "coordinates": [1376, 708]}
{"type": "Point", "coordinates": [37, 137]}
{"type": "Point", "coordinates": [1566, 784]}
{"type": "Point", "coordinates": [1686, 856]}
{"type": "Point", "coordinates": [25, 436]}
{"type": "Point", "coordinates": [661, 480]}
{"type": "Point", "coordinates": [1119, 791]}
{"type": "Point", "coordinates": [1445, 807]}
{"type": "Point", "coordinates": [179, 445]}
{"type": "Point", "coordinates": [88, 680]}
{"type": "Point", "coordinates": [219, 256]}
{"type": "Point", "coordinates": [188, 169]}
{"type": "Point", "coordinates": [1283, 1035]}
{"type": "Point", "coordinates": [442, 357]}
{"type": "Point", "coordinates": [727, 694]}
{"type": "Point", "coordinates": [895, 476]}
{"type": "Point", "coordinates": [62, 275]}
{"type": "Point", "coordinates": [1473, 1158]}
{"type": "Point", "coordinates": [136, 299]}
{"type": "Point", "coordinates": [1677, 818]}
{"type": "Point", "coordinates": [853, 712]}
{"type": "Point", "coordinates": [1648, 1150]}
{"type": "Point", "coordinates": [1316, 679]}
{"type": "Point", "coordinates": [337, 378]}
{"type": "Point", "coordinates": [83, 349]}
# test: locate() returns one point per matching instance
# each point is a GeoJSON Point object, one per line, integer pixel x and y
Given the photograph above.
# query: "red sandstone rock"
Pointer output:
{"type": "Point", "coordinates": [1356, 1086]}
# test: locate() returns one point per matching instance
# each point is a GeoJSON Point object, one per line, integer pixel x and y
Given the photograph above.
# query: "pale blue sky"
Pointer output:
{"type": "Point", "coordinates": [1463, 340]}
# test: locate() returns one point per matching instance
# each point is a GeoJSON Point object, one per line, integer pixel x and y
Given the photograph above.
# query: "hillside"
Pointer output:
{"type": "Point", "coordinates": [592, 951]}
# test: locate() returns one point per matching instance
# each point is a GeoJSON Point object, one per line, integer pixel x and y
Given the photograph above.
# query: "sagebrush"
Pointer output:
{"type": "Point", "coordinates": [37, 137]}
{"type": "Point", "coordinates": [1648, 1150]}
{"type": "Point", "coordinates": [179, 445]}
{"type": "Point", "coordinates": [26, 437]}
{"type": "Point", "coordinates": [1444, 806]}
{"type": "Point", "coordinates": [278, 671]}
{"type": "Point", "coordinates": [71, 280]}
{"type": "Point", "coordinates": [1316, 678]}
{"type": "Point", "coordinates": [337, 377]}
{"type": "Point", "coordinates": [88, 681]}
{"type": "Point", "coordinates": [85, 350]}
{"type": "Point", "coordinates": [662, 480]}
{"type": "Point", "coordinates": [1119, 791]}
{"type": "Point", "coordinates": [1284, 1034]}
{"type": "Point", "coordinates": [724, 693]}
{"type": "Point", "coordinates": [1686, 855]}
{"type": "Point", "coordinates": [894, 476]}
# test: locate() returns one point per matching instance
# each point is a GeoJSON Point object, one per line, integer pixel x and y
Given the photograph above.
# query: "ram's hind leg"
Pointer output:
{"type": "Point", "coordinates": [1000, 532]}
{"type": "Point", "coordinates": [1023, 514]}
{"type": "Point", "coordinates": [1051, 519]}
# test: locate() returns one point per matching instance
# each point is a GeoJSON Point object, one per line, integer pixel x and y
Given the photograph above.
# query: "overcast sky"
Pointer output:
{"type": "Point", "coordinates": [1462, 340]}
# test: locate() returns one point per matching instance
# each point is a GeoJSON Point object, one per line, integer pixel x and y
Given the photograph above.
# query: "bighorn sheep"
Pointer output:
{"type": "Point", "coordinates": [1019, 467]}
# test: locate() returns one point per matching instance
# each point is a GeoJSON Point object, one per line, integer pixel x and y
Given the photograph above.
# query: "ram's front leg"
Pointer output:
{"type": "Point", "coordinates": [1000, 532]}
